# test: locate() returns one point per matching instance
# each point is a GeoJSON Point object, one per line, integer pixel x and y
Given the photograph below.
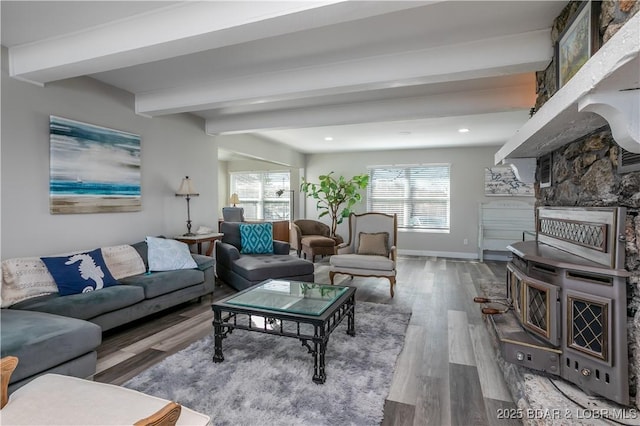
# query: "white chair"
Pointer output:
{"type": "Point", "coordinates": [371, 249]}
{"type": "Point", "coordinates": [52, 399]}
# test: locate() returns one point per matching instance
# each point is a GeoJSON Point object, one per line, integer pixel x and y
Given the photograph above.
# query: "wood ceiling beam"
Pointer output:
{"type": "Point", "coordinates": [502, 99]}
{"type": "Point", "coordinates": [514, 54]}
{"type": "Point", "coordinates": [176, 30]}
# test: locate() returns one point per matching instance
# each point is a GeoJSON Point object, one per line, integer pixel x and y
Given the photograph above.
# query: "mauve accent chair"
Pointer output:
{"type": "Point", "coordinates": [313, 238]}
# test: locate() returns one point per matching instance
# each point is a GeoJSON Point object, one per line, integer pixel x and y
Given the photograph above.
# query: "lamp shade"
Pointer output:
{"type": "Point", "coordinates": [234, 199]}
{"type": "Point", "coordinates": [186, 187]}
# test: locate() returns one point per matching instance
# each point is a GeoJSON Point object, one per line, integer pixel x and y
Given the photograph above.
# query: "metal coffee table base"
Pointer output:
{"type": "Point", "coordinates": [274, 323]}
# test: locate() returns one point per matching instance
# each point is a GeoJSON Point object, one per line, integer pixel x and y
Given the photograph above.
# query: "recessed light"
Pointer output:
{"type": "Point", "coordinates": [404, 133]}
{"type": "Point", "coordinates": [328, 138]}
{"type": "Point", "coordinates": [463, 130]}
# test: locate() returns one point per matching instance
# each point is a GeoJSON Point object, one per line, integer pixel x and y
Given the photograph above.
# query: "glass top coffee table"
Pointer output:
{"type": "Point", "coordinates": [305, 311]}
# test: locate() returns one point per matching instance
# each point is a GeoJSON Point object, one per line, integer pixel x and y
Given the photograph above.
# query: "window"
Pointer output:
{"type": "Point", "coordinates": [263, 195]}
{"type": "Point", "coordinates": [419, 195]}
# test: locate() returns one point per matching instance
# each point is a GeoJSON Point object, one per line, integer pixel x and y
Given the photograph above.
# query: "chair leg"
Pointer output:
{"type": "Point", "coordinates": [7, 365]}
{"type": "Point", "coordinates": [331, 275]}
{"type": "Point", "coordinates": [392, 283]}
{"type": "Point", "coordinates": [299, 252]}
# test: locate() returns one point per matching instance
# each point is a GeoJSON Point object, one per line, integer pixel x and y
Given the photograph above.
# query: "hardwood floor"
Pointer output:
{"type": "Point", "coordinates": [446, 373]}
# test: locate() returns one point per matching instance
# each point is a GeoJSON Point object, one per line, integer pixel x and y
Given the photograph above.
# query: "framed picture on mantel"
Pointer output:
{"type": "Point", "coordinates": [578, 42]}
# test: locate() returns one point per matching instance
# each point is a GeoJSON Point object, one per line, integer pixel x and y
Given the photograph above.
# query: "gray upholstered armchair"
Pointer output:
{"type": "Point", "coordinates": [371, 249]}
{"type": "Point", "coordinates": [313, 238]}
{"type": "Point", "coordinates": [245, 270]}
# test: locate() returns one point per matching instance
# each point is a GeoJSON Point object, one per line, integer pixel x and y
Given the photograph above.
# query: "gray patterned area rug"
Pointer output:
{"type": "Point", "coordinates": [266, 380]}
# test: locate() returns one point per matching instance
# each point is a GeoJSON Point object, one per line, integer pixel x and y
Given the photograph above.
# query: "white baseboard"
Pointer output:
{"type": "Point", "coordinates": [454, 255]}
{"type": "Point", "coordinates": [427, 253]}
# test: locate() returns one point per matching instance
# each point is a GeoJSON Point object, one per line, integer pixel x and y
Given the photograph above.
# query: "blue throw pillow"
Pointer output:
{"type": "Point", "coordinates": [80, 272]}
{"type": "Point", "coordinates": [256, 238]}
{"type": "Point", "coordinates": [168, 255]}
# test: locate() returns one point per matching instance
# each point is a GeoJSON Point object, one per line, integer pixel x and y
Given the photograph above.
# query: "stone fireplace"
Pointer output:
{"type": "Point", "coordinates": [577, 162]}
{"type": "Point", "coordinates": [584, 174]}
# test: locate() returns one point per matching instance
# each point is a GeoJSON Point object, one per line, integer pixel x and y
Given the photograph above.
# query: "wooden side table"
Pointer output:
{"type": "Point", "coordinates": [199, 239]}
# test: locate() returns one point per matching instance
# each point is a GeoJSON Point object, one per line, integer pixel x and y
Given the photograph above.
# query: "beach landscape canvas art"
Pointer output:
{"type": "Point", "coordinates": [93, 169]}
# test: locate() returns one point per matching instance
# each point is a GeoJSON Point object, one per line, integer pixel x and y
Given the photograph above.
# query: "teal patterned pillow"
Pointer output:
{"type": "Point", "coordinates": [256, 238]}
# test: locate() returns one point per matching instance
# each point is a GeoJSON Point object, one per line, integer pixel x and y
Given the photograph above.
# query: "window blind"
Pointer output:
{"type": "Point", "coordinates": [419, 195]}
{"type": "Point", "coordinates": [263, 194]}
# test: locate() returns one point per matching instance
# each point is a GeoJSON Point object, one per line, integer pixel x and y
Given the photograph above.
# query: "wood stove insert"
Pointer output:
{"type": "Point", "coordinates": [565, 306]}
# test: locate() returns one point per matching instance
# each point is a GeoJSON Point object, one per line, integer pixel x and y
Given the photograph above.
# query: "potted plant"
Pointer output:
{"type": "Point", "coordinates": [335, 197]}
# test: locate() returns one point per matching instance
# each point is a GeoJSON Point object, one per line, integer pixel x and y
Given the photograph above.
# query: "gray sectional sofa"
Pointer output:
{"type": "Point", "coordinates": [52, 333]}
{"type": "Point", "coordinates": [46, 343]}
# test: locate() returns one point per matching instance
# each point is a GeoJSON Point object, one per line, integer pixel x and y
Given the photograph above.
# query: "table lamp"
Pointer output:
{"type": "Point", "coordinates": [186, 190]}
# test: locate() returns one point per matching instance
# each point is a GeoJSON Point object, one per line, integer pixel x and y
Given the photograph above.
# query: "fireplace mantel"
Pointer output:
{"type": "Point", "coordinates": [605, 90]}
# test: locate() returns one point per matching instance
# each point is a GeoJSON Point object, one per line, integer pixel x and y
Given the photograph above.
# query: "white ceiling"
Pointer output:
{"type": "Point", "coordinates": [370, 75]}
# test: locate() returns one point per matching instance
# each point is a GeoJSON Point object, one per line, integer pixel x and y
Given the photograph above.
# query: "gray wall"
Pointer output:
{"type": "Point", "coordinates": [467, 192]}
{"type": "Point", "coordinates": [171, 147]}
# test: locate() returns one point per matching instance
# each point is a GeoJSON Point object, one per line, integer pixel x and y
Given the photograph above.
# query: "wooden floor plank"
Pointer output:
{"type": "Point", "coordinates": [404, 386]}
{"type": "Point", "coordinates": [467, 403]}
{"type": "Point", "coordinates": [131, 367]}
{"type": "Point", "coordinates": [175, 330]}
{"type": "Point", "coordinates": [112, 359]}
{"type": "Point", "coordinates": [491, 378]}
{"type": "Point", "coordinates": [460, 347]}
{"type": "Point", "coordinates": [502, 413]}
{"type": "Point", "coordinates": [399, 414]}
{"type": "Point", "coordinates": [433, 406]}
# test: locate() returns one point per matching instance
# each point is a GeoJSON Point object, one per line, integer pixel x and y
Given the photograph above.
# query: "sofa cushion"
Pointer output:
{"type": "Point", "coordinates": [42, 341]}
{"type": "Point", "coordinates": [143, 251]}
{"type": "Point", "coordinates": [85, 305]}
{"type": "Point", "coordinates": [169, 255]}
{"type": "Point", "coordinates": [203, 262]}
{"type": "Point", "coordinates": [256, 238]}
{"type": "Point", "coordinates": [24, 278]}
{"type": "Point", "coordinates": [260, 267]}
{"type": "Point", "coordinates": [123, 261]}
{"type": "Point", "coordinates": [159, 283]}
{"type": "Point", "coordinates": [362, 261]}
{"type": "Point", "coordinates": [80, 272]}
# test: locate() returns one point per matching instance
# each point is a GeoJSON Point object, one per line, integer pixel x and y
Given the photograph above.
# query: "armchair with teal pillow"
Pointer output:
{"type": "Point", "coordinates": [240, 270]}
